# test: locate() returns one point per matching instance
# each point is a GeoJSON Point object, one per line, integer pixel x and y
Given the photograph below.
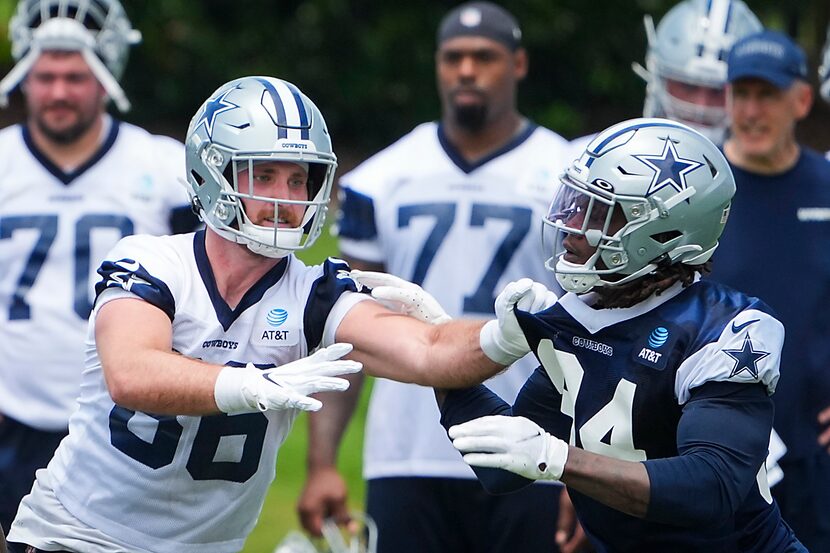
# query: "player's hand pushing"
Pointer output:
{"type": "Point", "coordinates": [402, 296]}
{"type": "Point", "coordinates": [248, 389]}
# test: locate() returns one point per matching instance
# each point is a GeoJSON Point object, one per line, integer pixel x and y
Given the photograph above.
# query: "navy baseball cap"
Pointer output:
{"type": "Point", "coordinates": [770, 56]}
{"type": "Point", "coordinates": [483, 19]}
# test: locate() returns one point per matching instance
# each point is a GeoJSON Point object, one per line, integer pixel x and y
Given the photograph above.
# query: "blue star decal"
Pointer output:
{"type": "Point", "coordinates": [746, 358]}
{"type": "Point", "coordinates": [669, 168]}
{"type": "Point", "coordinates": [214, 107]}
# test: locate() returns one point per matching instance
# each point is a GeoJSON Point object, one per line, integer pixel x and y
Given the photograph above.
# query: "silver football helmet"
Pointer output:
{"type": "Point", "coordinates": [689, 46]}
{"type": "Point", "coordinates": [824, 69]}
{"type": "Point", "coordinates": [98, 29]}
{"type": "Point", "coordinates": [645, 193]}
{"type": "Point", "coordinates": [334, 540]}
{"type": "Point", "coordinates": [252, 120]}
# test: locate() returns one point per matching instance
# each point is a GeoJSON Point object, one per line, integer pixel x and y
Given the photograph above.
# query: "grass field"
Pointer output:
{"type": "Point", "coordinates": [278, 516]}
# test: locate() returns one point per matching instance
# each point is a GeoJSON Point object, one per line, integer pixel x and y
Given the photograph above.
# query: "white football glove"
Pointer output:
{"type": "Point", "coordinates": [402, 296]}
{"type": "Point", "coordinates": [249, 389]}
{"type": "Point", "coordinates": [516, 444]}
{"type": "Point", "coordinates": [502, 340]}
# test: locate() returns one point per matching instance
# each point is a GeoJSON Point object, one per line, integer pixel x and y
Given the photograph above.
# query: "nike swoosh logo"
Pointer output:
{"type": "Point", "coordinates": [740, 327]}
{"type": "Point", "coordinates": [128, 265]}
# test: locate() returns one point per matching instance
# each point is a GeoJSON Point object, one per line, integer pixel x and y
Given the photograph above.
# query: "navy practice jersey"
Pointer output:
{"type": "Point", "coordinates": [685, 375]}
{"type": "Point", "coordinates": [775, 247]}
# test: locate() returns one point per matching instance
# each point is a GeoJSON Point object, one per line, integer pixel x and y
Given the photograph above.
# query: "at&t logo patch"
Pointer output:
{"type": "Point", "coordinates": [278, 330]}
{"type": "Point", "coordinates": [652, 352]}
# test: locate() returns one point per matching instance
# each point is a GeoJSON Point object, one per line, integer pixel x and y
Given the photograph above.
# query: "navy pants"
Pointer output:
{"type": "Point", "coordinates": [23, 450]}
{"type": "Point", "coordinates": [449, 515]}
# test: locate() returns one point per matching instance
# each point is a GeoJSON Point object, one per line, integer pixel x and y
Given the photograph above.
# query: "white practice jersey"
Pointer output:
{"type": "Point", "coordinates": [461, 231]}
{"type": "Point", "coordinates": [55, 228]}
{"type": "Point", "coordinates": [187, 484]}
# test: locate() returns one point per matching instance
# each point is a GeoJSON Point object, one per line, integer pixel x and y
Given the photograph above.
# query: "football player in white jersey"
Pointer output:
{"type": "Point", "coordinates": [73, 180]}
{"type": "Point", "coordinates": [449, 206]}
{"type": "Point", "coordinates": [199, 348]}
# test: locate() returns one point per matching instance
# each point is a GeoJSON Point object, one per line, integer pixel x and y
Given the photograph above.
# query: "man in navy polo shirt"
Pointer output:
{"type": "Point", "coordinates": [775, 247]}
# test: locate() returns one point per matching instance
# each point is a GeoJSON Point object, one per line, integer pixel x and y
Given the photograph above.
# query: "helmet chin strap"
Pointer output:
{"type": "Point", "coordinates": [65, 35]}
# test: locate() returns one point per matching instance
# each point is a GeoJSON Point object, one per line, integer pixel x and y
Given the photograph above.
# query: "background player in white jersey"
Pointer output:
{"type": "Point", "coordinates": [449, 206]}
{"type": "Point", "coordinates": [685, 70]}
{"type": "Point", "coordinates": [73, 181]}
{"type": "Point", "coordinates": [198, 346]}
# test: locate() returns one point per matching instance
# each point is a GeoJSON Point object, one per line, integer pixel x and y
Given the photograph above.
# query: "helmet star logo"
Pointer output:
{"type": "Point", "coordinates": [669, 168]}
{"type": "Point", "coordinates": [214, 107]}
{"type": "Point", "coordinates": [746, 358]}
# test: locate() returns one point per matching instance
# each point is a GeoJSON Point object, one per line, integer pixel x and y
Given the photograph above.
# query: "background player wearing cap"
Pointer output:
{"type": "Point", "coordinates": [73, 180]}
{"type": "Point", "coordinates": [449, 206]}
{"type": "Point", "coordinates": [775, 247]}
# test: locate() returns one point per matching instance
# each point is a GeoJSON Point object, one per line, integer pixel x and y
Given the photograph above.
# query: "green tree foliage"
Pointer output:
{"type": "Point", "coordinates": [370, 64]}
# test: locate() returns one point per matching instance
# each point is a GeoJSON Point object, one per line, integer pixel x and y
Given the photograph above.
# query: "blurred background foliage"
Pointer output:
{"type": "Point", "coordinates": [369, 65]}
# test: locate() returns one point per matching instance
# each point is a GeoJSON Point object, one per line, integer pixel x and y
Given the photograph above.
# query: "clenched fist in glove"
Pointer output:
{"type": "Point", "coordinates": [516, 444]}
{"type": "Point", "coordinates": [402, 296]}
{"type": "Point", "coordinates": [502, 340]}
{"type": "Point", "coordinates": [249, 389]}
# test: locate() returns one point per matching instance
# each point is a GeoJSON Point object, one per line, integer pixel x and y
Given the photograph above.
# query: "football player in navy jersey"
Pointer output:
{"type": "Point", "coordinates": [783, 202]}
{"type": "Point", "coordinates": [652, 401]}
{"type": "Point", "coordinates": [73, 180]}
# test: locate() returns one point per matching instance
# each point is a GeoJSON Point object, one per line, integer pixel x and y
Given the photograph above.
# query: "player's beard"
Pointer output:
{"type": "Point", "coordinates": [69, 134]}
{"type": "Point", "coordinates": [471, 117]}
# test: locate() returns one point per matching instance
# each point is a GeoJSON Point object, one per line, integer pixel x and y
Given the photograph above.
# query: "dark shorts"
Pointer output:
{"type": "Point", "coordinates": [23, 450]}
{"type": "Point", "coordinates": [448, 515]}
{"type": "Point", "coordinates": [804, 498]}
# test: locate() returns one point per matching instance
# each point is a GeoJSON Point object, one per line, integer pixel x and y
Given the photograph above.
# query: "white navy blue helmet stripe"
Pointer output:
{"type": "Point", "coordinates": [728, 18]}
{"type": "Point", "coordinates": [291, 118]}
{"type": "Point", "coordinates": [598, 150]}
{"type": "Point", "coordinates": [719, 16]}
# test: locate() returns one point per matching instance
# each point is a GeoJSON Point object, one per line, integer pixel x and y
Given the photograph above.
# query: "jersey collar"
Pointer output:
{"type": "Point", "coordinates": [67, 177]}
{"type": "Point", "coordinates": [456, 157]}
{"type": "Point", "coordinates": [224, 314]}
{"type": "Point", "coordinates": [594, 320]}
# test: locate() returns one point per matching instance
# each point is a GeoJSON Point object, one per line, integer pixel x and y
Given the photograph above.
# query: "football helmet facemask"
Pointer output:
{"type": "Point", "coordinates": [644, 194]}
{"type": "Point", "coordinates": [690, 46]}
{"type": "Point", "coordinates": [98, 29]}
{"type": "Point", "coordinates": [244, 122]}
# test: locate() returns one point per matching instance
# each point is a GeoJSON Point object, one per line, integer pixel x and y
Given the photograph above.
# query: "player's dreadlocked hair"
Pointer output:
{"type": "Point", "coordinates": [655, 283]}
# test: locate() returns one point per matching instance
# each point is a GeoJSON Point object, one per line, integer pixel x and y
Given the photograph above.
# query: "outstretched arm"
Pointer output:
{"type": "Point", "coordinates": [399, 347]}
{"type": "Point", "coordinates": [455, 354]}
